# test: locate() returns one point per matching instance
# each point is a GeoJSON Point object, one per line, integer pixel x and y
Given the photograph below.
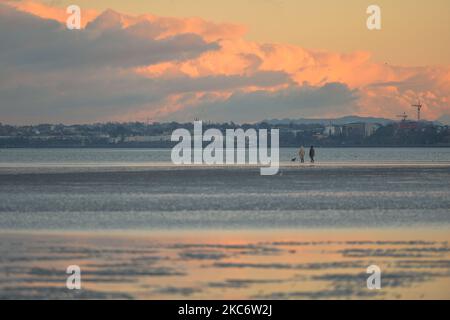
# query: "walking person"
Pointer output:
{"type": "Point", "coordinates": [301, 154]}
{"type": "Point", "coordinates": [312, 153]}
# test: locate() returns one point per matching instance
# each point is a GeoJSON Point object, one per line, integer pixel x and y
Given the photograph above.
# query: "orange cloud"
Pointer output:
{"type": "Point", "coordinates": [49, 12]}
{"type": "Point", "coordinates": [383, 90]}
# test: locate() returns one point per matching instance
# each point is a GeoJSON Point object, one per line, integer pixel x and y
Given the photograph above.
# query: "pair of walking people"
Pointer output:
{"type": "Point", "coordinates": [301, 154]}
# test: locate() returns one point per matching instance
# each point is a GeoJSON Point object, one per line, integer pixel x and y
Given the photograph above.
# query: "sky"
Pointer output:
{"type": "Point", "coordinates": [241, 61]}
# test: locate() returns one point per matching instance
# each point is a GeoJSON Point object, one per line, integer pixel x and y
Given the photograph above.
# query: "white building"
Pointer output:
{"type": "Point", "coordinates": [331, 130]}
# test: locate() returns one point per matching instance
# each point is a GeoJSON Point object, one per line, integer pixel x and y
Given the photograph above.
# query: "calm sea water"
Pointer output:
{"type": "Point", "coordinates": [94, 157]}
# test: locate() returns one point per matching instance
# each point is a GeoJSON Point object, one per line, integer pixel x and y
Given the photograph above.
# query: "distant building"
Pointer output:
{"type": "Point", "coordinates": [408, 124]}
{"type": "Point", "coordinates": [354, 130]}
{"type": "Point", "coordinates": [158, 138]}
{"type": "Point", "coordinates": [371, 128]}
{"type": "Point", "coordinates": [332, 130]}
{"type": "Point", "coordinates": [359, 129]}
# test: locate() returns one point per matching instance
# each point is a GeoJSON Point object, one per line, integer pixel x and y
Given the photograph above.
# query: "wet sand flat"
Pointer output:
{"type": "Point", "coordinates": [288, 264]}
{"type": "Point", "coordinates": [226, 198]}
{"type": "Point", "coordinates": [225, 233]}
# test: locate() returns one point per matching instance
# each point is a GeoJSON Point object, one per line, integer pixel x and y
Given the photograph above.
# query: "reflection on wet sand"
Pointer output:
{"type": "Point", "coordinates": [296, 264]}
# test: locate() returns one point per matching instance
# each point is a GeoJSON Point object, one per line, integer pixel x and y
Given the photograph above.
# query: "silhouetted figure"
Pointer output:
{"type": "Point", "coordinates": [312, 153]}
{"type": "Point", "coordinates": [301, 154]}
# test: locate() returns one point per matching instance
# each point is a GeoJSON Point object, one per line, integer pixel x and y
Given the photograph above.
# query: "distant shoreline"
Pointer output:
{"type": "Point", "coordinates": [170, 147]}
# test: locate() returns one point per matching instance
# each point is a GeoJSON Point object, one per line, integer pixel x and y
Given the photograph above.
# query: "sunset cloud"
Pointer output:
{"type": "Point", "coordinates": [124, 67]}
{"type": "Point", "coordinates": [330, 99]}
{"type": "Point", "coordinates": [48, 12]}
